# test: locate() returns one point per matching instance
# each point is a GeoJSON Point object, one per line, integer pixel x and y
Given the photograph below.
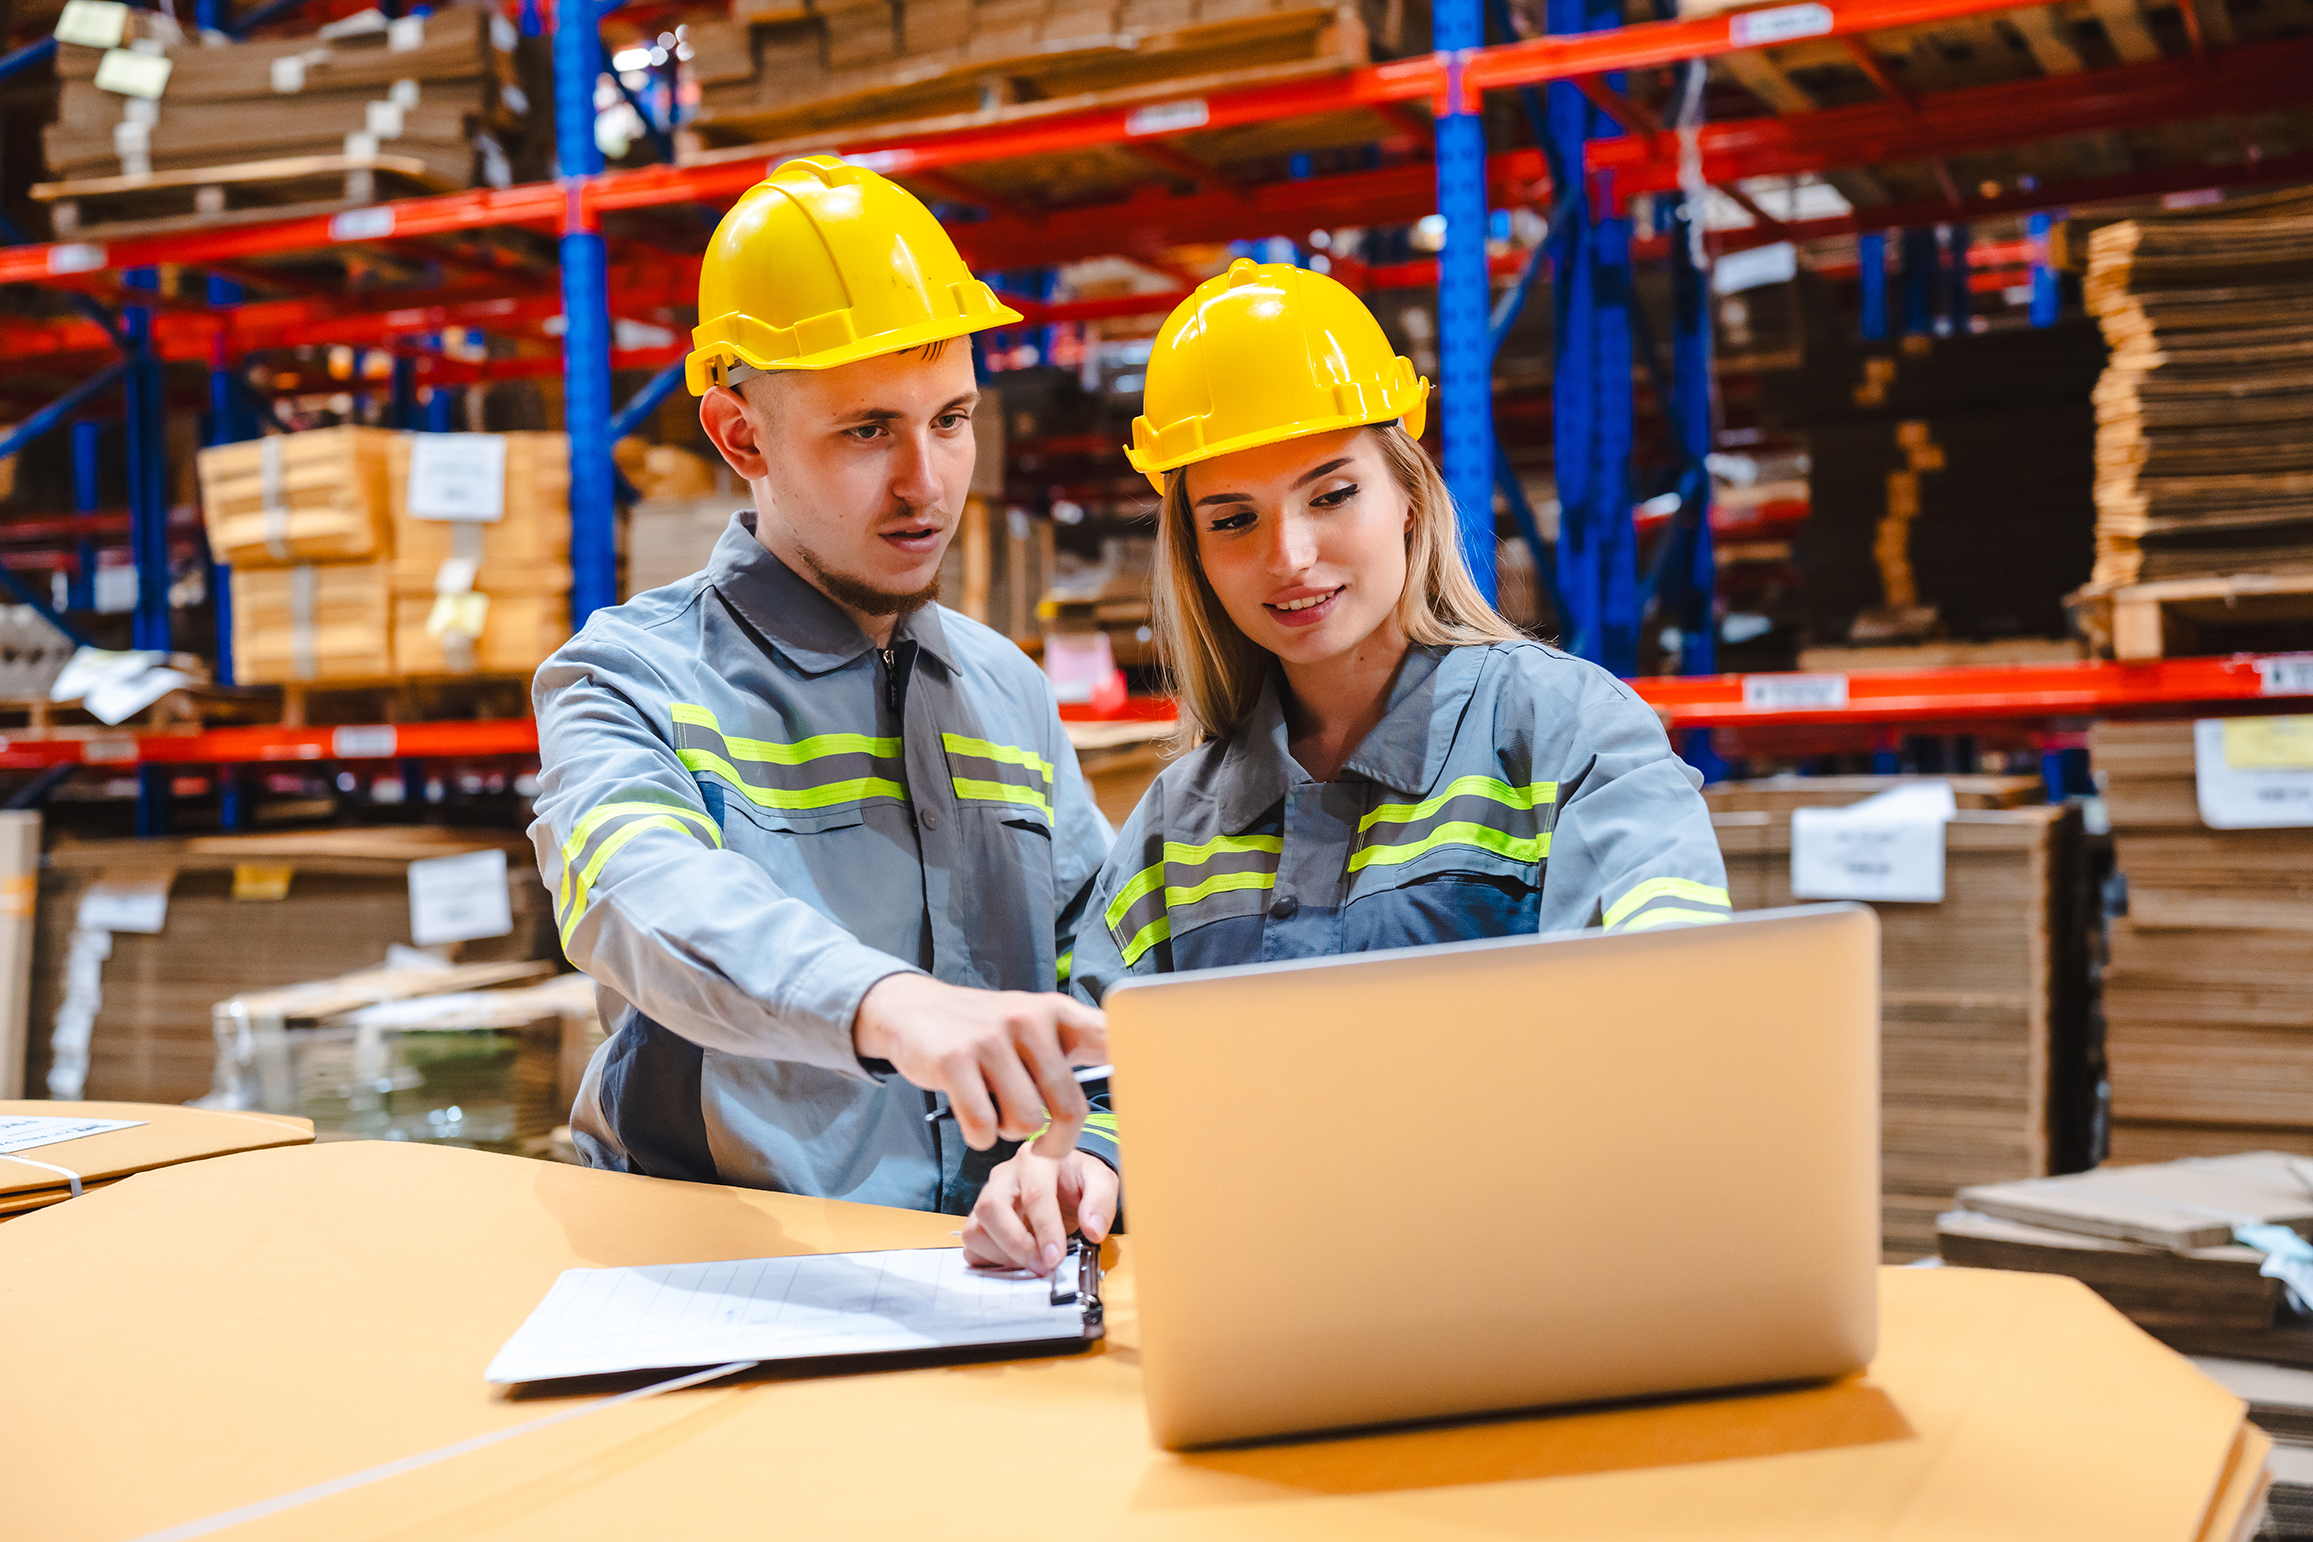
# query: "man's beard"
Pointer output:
{"type": "Point", "coordinates": [858, 595]}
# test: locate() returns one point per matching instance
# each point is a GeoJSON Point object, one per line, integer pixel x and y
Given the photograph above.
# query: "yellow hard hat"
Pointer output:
{"type": "Point", "coordinates": [1266, 351]}
{"type": "Point", "coordinates": [822, 263]}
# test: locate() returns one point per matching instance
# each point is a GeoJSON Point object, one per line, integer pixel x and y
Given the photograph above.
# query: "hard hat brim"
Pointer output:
{"type": "Point", "coordinates": [1415, 416]}
{"type": "Point", "coordinates": [697, 368]}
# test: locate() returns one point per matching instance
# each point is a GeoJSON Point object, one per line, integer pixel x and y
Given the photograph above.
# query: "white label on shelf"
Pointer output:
{"type": "Point", "coordinates": [125, 72]}
{"type": "Point", "coordinates": [458, 476]}
{"type": "Point", "coordinates": [880, 160]}
{"type": "Point", "coordinates": [76, 257]}
{"type": "Point", "coordinates": [1752, 29]}
{"type": "Point", "coordinates": [454, 899]}
{"type": "Point", "coordinates": [2291, 675]}
{"type": "Point", "coordinates": [372, 224]}
{"type": "Point", "coordinates": [108, 752]}
{"type": "Point", "coordinates": [405, 33]}
{"type": "Point", "coordinates": [1887, 848]}
{"type": "Point", "coordinates": [289, 74]}
{"type": "Point", "coordinates": [2254, 773]}
{"type": "Point", "coordinates": [1169, 117]}
{"type": "Point", "coordinates": [376, 741]}
{"type": "Point", "coordinates": [92, 23]}
{"type": "Point", "coordinates": [1784, 693]}
{"type": "Point", "coordinates": [125, 905]}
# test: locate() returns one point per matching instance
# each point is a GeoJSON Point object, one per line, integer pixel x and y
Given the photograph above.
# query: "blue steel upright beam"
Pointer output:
{"type": "Point", "coordinates": [148, 480]}
{"type": "Point", "coordinates": [1591, 382]}
{"type": "Point", "coordinates": [2046, 298]}
{"type": "Point", "coordinates": [1692, 576]}
{"type": "Point", "coordinates": [1871, 274]}
{"type": "Point", "coordinates": [1465, 342]}
{"type": "Point", "coordinates": [87, 498]}
{"type": "Point", "coordinates": [586, 318]}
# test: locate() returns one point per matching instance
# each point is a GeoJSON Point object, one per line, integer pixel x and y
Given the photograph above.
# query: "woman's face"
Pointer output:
{"type": "Point", "coordinates": [1303, 541]}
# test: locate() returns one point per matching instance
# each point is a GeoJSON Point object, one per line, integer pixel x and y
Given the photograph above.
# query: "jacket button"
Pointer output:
{"type": "Point", "coordinates": [930, 818]}
{"type": "Point", "coordinates": [1284, 909]}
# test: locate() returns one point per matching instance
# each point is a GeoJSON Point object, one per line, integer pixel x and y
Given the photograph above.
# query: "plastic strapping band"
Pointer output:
{"type": "Point", "coordinates": [305, 1496]}
{"type": "Point", "coordinates": [302, 584]}
{"type": "Point", "coordinates": [270, 496]}
{"type": "Point", "coordinates": [69, 1175]}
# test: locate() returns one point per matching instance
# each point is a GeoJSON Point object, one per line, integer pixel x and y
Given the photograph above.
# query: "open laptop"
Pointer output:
{"type": "Point", "coordinates": [1502, 1174]}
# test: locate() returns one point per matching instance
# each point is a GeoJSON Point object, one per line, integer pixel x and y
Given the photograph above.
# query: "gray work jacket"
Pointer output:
{"type": "Point", "coordinates": [747, 816]}
{"type": "Point", "coordinates": [1508, 789]}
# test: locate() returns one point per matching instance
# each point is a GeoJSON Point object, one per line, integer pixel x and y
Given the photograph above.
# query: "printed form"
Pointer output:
{"type": "Point", "coordinates": [597, 1322]}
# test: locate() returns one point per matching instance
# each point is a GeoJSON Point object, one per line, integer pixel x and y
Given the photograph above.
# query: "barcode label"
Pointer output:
{"type": "Point", "coordinates": [76, 257]}
{"type": "Point", "coordinates": [1790, 692]}
{"type": "Point", "coordinates": [1169, 117]}
{"type": "Point", "coordinates": [372, 224]}
{"type": "Point", "coordinates": [2292, 676]}
{"type": "Point", "coordinates": [371, 742]}
{"type": "Point", "coordinates": [1752, 29]}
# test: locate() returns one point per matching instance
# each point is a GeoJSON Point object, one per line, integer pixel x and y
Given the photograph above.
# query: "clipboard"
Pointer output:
{"type": "Point", "coordinates": [826, 1306]}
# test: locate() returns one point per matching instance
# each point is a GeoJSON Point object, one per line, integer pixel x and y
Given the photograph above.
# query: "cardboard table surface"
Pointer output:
{"type": "Point", "coordinates": [203, 1337]}
{"type": "Point", "coordinates": [167, 1133]}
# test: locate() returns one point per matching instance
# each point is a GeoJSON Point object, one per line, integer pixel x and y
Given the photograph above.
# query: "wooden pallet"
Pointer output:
{"type": "Point", "coordinates": [199, 197]}
{"type": "Point", "coordinates": [2185, 616]}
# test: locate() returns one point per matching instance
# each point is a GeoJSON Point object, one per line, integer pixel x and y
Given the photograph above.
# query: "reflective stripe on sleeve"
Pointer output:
{"type": "Point", "coordinates": [1191, 886]}
{"type": "Point", "coordinates": [1631, 912]}
{"type": "Point", "coordinates": [598, 837]}
{"type": "Point", "coordinates": [982, 772]}
{"type": "Point", "coordinates": [1667, 915]}
{"type": "Point", "coordinates": [1062, 965]}
{"type": "Point", "coordinates": [814, 773]}
{"type": "Point", "coordinates": [1481, 811]}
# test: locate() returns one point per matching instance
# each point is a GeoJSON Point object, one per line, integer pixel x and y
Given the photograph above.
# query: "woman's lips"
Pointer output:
{"type": "Point", "coordinates": [1306, 615]}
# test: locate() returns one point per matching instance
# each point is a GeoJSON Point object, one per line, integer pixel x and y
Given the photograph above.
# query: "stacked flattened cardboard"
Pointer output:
{"type": "Point", "coordinates": [1924, 454]}
{"type": "Point", "coordinates": [335, 579]}
{"type": "Point", "coordinates": [329, 901]}
{"type": "Point", "coordinates": [2204, 418]}
{"type": "Point", "coordinates": [430, 101]}
{"type": "Point", "coordinates": [2208, 996]}
{"type": "Point", "coordinates": [809, 69]}
{"type": "Point", "coordinates": [2280, 1400]}
{"type": "Point", "coordinates": [163, 1135]}
{"type": "Point", "coordinates": [2157, 1241]}
{"type": "Point", "coordinates": [1983, 1007]}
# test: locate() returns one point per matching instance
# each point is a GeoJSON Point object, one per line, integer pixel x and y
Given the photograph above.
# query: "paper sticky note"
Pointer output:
{"type": "Point", "coordinates": [453, 899]}
{"type": "Point", "coordinates": [2269, 743]}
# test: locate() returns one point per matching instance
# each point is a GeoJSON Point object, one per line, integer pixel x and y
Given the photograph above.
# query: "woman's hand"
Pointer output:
{"type": "Point", "coordinates": [1031, 1204]}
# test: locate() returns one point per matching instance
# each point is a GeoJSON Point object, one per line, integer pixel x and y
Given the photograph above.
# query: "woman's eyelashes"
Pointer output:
{"type": "Point", "coordinates": [1241, 520]}
{"type": "Point", "coordinates": [1335, 498]}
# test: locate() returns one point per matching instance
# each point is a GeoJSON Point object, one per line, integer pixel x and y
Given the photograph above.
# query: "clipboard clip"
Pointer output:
{"type": "Point", "coordinates": [1080, 1285]}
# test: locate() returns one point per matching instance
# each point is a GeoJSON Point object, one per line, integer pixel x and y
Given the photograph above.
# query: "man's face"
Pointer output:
{"type": "Point", "coordinates": [859, 472]}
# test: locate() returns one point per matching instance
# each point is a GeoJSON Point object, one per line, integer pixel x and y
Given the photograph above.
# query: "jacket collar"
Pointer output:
{"type": "Point", "coordinates": [806, 627]}
{"type": "Point", "coordinates": [1405, 752]}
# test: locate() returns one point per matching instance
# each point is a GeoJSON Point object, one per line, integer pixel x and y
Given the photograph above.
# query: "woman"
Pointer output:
{"type": "Point", "coordinates": [1380, 760]}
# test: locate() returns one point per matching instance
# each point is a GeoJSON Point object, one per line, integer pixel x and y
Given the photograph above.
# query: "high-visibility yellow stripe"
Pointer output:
{"type": "Point", "coordinates": [1463, 787]}
{"type": "Point", "coordinates": [1221, 845]}
{"type": "Point", "coordinates": [1658, 888]}
{"type": "Point", "coordinates": [1146, 938]}
{"type": "Point", "coordinates": [609, 848]}
{"type": "Point", "coordinates": [817, 747]}
{"type": "Point", "coordinates": [1001, 792]}
{"type": "Point", "coordinates": [1219, 883]}
{"type": "Point", "coordinates": [603, 813]}
{"type": "Point", "coordinates": [1104, 1124]}
{"type": "Point", "coordinates": [1518, 848]}
{"type": "Point", "coordinates": [1669, 916]}
{"type": "Point", "coordinates": [1007, 754]}
{"type": "Point", "coordinates": [1063, 964]}
{"type": "Point", "coordinates": [803, 798]}
{"type": "Point", "coordinates": [1140, 883]}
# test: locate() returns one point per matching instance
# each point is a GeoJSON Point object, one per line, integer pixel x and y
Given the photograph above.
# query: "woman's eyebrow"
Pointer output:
{"type": "Point", "coordinates": [1307, 477]}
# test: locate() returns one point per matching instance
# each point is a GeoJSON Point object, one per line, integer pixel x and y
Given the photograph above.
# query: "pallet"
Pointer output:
{"type": "Point", "coordinates": [315, 703]}
{"type": "Point", "coordinates": [203, 197]}
{"type": "Point", "coordinates": [2185, 616]}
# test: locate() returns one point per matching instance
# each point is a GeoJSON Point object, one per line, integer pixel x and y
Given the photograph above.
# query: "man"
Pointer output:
{"type": "Point", "coordinates": [805, 828]}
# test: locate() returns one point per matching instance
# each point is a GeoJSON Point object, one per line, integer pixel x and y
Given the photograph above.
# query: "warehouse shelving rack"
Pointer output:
{"type": "Point", "coordinates": [1610, 147]}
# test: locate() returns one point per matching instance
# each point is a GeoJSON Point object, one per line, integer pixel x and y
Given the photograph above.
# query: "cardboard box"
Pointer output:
{"type": "Point", "coordinates": [320, 621]}
{"type": "Point", "coordinates": [527, 551]}
{"type": "Point", "coordinates": [517, 632]}
{"type": "Point", "coordinates": [287, 499]}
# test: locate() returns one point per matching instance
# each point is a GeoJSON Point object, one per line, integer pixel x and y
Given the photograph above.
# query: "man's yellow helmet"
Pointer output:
{"type": "Point", "coordinates": [822, 263]}
{"type": "Point", "coordinates": [1262, 353]}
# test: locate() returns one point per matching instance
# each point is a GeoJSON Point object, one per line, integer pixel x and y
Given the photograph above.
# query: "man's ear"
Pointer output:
{"type": "Point", "coordinates": [732, 428]}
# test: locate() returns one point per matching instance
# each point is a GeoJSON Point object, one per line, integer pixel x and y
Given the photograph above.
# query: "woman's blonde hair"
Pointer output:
{"type": "Point", "coordinates": [1217, 671]}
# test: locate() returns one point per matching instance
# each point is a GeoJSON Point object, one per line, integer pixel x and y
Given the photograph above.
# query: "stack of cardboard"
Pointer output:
{"type": "Point", "coordinates": [1983, 1006]}
{"type": "Point", "coordinates": [159, 1135]}
{"type": "Point", "coordinates": [2157, 1241]}
{"type": "Point", "coordinates": [2208, 997]}
{"type": "Point", "coordinates": [335, 579]}
{"type": "Point", "coordinates": [2204, 418]}
{"type": "Point", "coordinates": [132, 1003]}
{"type": "Point", "coordinates": [432, 100]}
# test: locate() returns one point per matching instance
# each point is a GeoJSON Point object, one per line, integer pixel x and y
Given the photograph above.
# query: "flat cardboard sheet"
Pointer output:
{"type": "Point", "coordinates": [342, 1300]}
{"type": "Point", "coordinates": [167, 1135]}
